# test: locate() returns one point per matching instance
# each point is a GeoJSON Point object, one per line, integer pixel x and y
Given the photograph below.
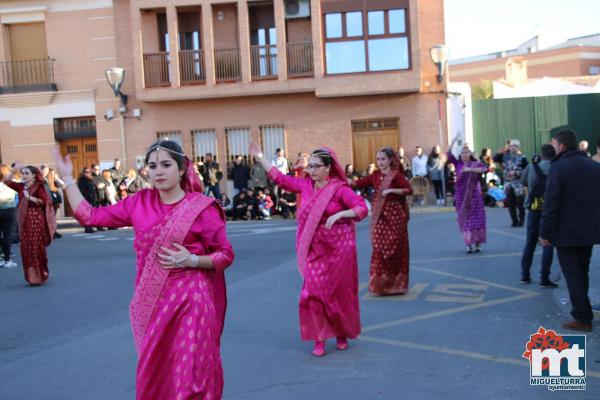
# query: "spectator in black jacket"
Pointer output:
{"type": "Point", "coordinates": [570, 221]}
{"type": "Point", "coordinates": [88, 190]}
{"type": "Point", "coordinates": [240, 174]}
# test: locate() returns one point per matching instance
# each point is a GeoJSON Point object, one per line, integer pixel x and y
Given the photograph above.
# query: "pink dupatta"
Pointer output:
{"type": "Point", "coordinates": [313, 217]}
{"type": "Point", "coordinates": [173, 227]}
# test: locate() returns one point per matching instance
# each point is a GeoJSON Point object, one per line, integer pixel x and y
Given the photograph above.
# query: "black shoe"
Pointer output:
{"type": "Point", "coordinates": [521, 224]}
{"type": "Point", "coordinates": [89, 230]}
{"type": "Point", "coordinates": [57, 235]}
{"type": "Point", "coordinates": [100, 229]}
{"type": "Point", "coordinates": [526, 280]}
{"type": "Point", "coordinates": [548, 284]}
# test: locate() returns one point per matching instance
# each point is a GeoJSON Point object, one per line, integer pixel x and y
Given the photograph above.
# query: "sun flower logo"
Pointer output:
{"type": "Point", "coordinates": [542, 340]}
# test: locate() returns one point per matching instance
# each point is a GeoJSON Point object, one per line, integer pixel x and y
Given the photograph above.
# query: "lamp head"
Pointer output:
{"type": "Point", "coordinates": [115, 77]}
{"type": "Point", "coordinates": [439, 56]}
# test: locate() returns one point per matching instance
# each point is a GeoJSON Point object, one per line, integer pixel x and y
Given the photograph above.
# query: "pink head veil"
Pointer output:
{"type": "Point", "coordinates": [190, 181]}
{"type": "Point", "coordinates": [336, 170]}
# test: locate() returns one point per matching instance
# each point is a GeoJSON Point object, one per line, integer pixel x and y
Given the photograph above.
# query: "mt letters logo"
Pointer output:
{"type": "Point", "coordinates": [556, 361]}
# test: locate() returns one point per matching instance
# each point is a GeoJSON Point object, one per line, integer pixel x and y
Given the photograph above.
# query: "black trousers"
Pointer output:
{"type": "Point", "coordinates": [8, 217]}
{"type": "Point", "coordinates": [515, 203]}
{"type": "Point", "coordinates": [575, 264]}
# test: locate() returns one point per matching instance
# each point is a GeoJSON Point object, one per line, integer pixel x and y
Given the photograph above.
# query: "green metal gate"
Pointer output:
{"type": "Point", "coordinates": [533, 120]}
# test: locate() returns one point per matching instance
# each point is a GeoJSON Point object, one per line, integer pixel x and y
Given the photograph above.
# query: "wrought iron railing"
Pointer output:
{"type": "Point", "coordinates": [227, 65]}
{"type": "Point", "coordinates": [191, 67]}
{"type": "Point", "coordinates": [156, 69]}
{"type": "Point", "coordinates": [27, 76]}
{"type": "Point", "coordinates": [300, 59]}
{"type": "Point", "coordinates": [263, 61]}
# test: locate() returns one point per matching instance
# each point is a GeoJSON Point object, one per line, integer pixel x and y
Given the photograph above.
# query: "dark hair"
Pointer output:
{"type": "Point", "coordinates": [322, 155]}
{"type": "Point", "coordinates": [598, 143]}
{"type": "Point", "coordinates": [388, 151]}
{"type": "Point", "coordinates": [548, 152]}
{"type": "Point", "coordinates": [568, 138]}
{"type": "Point", "coordinates": [347, 166]}
{"type": "Point", "coordinates": [173, 149]}
{"type": "Point", "coordinates": [433, 155]}
{"type": "Point", "coordinates": [483, 151]}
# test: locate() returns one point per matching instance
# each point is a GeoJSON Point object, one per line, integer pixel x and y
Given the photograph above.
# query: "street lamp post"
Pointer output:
{"type": "Point", "coordinates": [115, 77]}
{"type": "Point", "coordinates": [439, 56]}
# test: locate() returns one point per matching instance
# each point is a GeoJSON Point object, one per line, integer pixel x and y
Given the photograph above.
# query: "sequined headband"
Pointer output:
{"type": "Point", "coordinates": [158, 146]}
{"type": "Point", "coordinates": [321, 153]}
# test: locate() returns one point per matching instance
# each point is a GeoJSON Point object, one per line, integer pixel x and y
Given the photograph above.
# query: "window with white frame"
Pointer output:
{"type": "Point", "coordinates": [170, 135]}
{"type": "Point", "coordinates": [272, 137]}
{"type": "Point", "coordinates": [238, 143]}
{"type": "Point", "coordinates": [204, 142]}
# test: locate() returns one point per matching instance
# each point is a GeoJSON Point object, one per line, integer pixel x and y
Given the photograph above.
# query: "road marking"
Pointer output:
{"type": "Point", "coordinates": [449, 293]}
{"type": "Point", "coordinates": [93, 236]}
{"type": "Point", "coordinates": [444, 313]}
{"type": "Point", "coordinates": [108, 239]}
{"type": "Point", "coordinates": [508, 233]}
{"type": "Point", "coordinates": [524, 294]}
{"type": "Point", "coordinates": [455, 352]}
{"type": "Point", "coordinates": [412, 294]}
{"type": "Point", "coordinates": [471, 257]}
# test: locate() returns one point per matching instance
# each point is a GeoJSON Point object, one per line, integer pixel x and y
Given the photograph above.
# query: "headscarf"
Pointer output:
{"type": "Point", "coordinates": [336, 171]}
{"type": "Point", "coordinates": [190, 181]}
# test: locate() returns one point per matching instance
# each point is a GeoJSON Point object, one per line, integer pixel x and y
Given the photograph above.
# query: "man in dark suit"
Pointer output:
{"type": "Point", "coordinates": [571, 221]}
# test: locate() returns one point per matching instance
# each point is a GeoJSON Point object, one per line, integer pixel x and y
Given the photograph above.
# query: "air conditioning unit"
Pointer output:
{"type": "Point", "coordinates": [297, 9]}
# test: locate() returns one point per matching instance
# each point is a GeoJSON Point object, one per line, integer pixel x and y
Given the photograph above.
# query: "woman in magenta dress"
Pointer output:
{"type": "Point", "coordinates": [469, 201]}
{"type": "Point", "coordinates": [178, 306]}
{"type": "Point", "coordinates": [37, 222]}
{"type": "Point", "coordinates": [326, 248]}
{"type": "Point", "coordinates": [389, 232]}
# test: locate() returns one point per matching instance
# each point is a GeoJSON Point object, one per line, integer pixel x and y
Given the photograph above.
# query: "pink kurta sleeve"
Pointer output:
{"type": "Point", "coordinates": [115, 216]}
{"type": "Point", "coordinates": [214, 238]}
{"type": "Point", "coordinates": [286, 182]}
{"type": "Point", "coordinates": [353, 202]}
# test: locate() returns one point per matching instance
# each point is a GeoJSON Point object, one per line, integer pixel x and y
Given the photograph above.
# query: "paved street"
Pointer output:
{"type": "Point", "coordinates": [458, 334]}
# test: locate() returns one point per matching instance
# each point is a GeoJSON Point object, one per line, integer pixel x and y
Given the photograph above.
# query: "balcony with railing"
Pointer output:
{"type": "Point", "coordinates": [27, 76]}
{"type": "Point", "coordinates": [263, 62]}
{"type": "Point", "coordinates": [227, 65]}
{"type": "Point", "coordinates": [156, 69]}
{"type": "Point", "coordinates": [300, 59]}
{"type": "Point", "coordinates": [192, 69]}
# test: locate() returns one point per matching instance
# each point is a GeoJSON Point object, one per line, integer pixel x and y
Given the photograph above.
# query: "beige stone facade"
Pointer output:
{"type": "Point", "coordinates": [222, 84]}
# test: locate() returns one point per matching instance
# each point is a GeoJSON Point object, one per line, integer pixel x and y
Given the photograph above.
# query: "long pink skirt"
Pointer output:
{"type": "Point", "coordinates": [179, 357]}
{"type": "Point", "coordinates": [329, 297]}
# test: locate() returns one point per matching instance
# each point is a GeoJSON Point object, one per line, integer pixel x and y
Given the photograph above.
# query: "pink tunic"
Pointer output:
{"type": "Point", "coordinates": [179, 355]}
{"type": "Point", "coordinates": [329, 298]}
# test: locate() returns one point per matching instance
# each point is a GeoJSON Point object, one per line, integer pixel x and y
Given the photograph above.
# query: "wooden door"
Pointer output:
{"type": "Point", "coordinates": [83, 153]}
{"type": "Point", "coordinates": [370, 136]}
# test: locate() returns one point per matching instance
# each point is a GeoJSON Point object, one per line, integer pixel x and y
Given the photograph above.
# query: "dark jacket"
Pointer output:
{"type": "Point", "coordinates": [571, 213]}
{"type": "Point", "coordinates": [88, 190]}
{"type": "Point", "coordinates": [240, 175]}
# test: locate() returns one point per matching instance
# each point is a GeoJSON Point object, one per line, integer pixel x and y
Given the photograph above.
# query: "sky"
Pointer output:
{"type": "Point", "coordinates": [475, 27]}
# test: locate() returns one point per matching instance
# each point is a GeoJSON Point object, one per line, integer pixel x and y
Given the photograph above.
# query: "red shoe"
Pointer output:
{"type": "Point", "coordinates": [342, 343]}
{"type": "Point", "coordinates": [319, 350]}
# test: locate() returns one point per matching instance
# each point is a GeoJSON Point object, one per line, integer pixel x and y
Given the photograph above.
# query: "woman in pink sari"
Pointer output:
{"type": "Point", "coordinates": [389, 231]}
{"type": "Point", "coordinates": [178, 306]}
{"type": "Point", "coordinates": [326, 248]}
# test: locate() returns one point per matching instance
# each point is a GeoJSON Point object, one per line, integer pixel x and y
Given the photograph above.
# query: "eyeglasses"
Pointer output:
{"type": "Point", "coordinates": [314, 166]}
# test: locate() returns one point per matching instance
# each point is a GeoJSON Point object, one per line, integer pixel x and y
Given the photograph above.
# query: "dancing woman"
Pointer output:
{"type": "Point", "coordinates": [178, 306]}
{"type": "Point", "coordinates": [37, 222]}
{"type": "Point", "coordinates": [389, 232]}
{"type": "Point", "coordinates": [326, 248]}
{"type": "Point", "coordinates": [469, 201]}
